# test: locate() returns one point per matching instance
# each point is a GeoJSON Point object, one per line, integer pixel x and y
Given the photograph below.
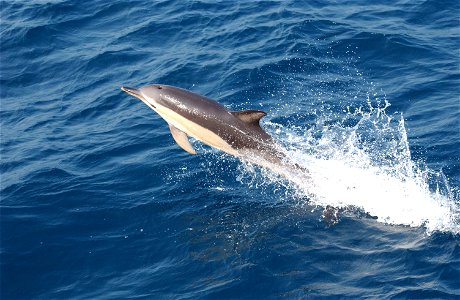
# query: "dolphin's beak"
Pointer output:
{"type": "Point", "coordinates": [136, 93]}
{"type": "Point", "coordinates": [133, 92]}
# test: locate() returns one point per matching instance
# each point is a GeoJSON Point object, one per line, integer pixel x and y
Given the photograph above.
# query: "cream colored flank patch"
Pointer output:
{"type": "Point", "coordinates": [194, 130]}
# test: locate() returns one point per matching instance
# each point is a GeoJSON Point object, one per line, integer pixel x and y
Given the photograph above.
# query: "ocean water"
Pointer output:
{"type": "Point", "coordinates": [98, 202]}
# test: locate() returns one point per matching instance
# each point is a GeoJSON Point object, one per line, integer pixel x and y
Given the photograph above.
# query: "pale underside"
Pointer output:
{"type": "Point", "coordinates": [182, 127]}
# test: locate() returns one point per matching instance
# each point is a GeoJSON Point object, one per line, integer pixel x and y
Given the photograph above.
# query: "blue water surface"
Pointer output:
{"type": "Point", "coordinates": [98, 202]}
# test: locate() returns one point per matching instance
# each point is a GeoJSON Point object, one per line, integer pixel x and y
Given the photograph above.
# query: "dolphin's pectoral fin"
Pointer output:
{"type": "Point", "coordinates": [181, 139]}
{"type": "Point", "coordinates": [250, 116]}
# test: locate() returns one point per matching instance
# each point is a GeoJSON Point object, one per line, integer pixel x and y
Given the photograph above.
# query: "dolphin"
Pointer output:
{"type": "Point", "coordinates": [237, 133]}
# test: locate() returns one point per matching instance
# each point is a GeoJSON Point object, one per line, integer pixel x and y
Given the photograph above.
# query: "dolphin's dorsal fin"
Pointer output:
{"type": "Point", "coordinates": [250, 116]}
{"type": "Point", "coordinates": [181, 139]}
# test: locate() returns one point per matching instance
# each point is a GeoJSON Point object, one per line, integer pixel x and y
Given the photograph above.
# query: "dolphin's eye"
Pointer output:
{"type": "Point", "coordinates": [159, 87]}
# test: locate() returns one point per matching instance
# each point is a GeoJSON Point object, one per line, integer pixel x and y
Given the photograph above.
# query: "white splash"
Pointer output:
{"type": "Point", "coordinates": [367, 165]}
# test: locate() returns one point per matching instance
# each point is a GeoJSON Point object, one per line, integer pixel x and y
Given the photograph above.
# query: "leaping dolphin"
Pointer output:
{"type": "Point", "coordinates": [236, 133]}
